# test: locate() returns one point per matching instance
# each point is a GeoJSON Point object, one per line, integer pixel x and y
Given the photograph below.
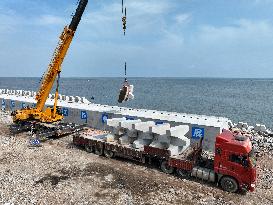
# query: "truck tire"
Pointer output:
{"type": "Point", "coordinates": [88, 148]}
{"type": "Point", "coordinates": [109, 153]}
{"type": "Point", "coordinates": [166, 168]}
{"type": "Point", "coordinates": [229, 184]}
{"type": "Point", "coordinates": [183, 173]}
{"type": "Point", "coordinates": [98, 151]}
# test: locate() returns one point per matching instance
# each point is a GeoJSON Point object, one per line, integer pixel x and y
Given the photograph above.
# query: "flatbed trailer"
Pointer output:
{"type": "Point", "coordinates": [97, 144]}
{"type": "Point", "coordinates": [238, 174]}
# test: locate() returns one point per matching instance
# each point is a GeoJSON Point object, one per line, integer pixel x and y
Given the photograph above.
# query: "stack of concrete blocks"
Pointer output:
{"type": "Point", "coordinates": [130, 134]}
{"type": "Point", "coordinates": [144, 135]}
{"type": "Point", "coordinates": [178, 141]}
{"type": "Point", "coordinates": [116, 130]}
{"type": "Point", "coordinates": [161, 140]}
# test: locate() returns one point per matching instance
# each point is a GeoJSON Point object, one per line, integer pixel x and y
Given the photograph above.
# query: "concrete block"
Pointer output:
{"type": "Point", "coordinates": [124, 140]}
{"type": "Point", "coordinates": [110, 138]}
{"type": "Point", "coordinates": [140, 143]}
{"type": "Point", "coordinates": [71, 99]}
{"type": "Point", "coordinates": [178, 131]}
{"type": "Point", "coordinates": [240, 125]}
{"type": "Point", "coordinates": [263, 128]}
{"type": "Point", "coordinates": [257, 127]}
{"type": "Point", "coordinates": [115, 121]}
{"type": "Point", "coordinates": [128, 124]}
{"type": "Point", "coordinates": [245, 125]}
{"type": "Point", "coordinates": [143, 126]}
{"type": "Point", "coordinates": [160, 129]}
{"type": "Point", "coordinates": [77, 99]}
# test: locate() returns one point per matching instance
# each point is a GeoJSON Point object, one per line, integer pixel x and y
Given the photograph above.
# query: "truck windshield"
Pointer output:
{"type": "Point", "coordinates": [252, 158]}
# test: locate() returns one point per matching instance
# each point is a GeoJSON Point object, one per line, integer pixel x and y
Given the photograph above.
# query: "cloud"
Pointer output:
{"type": "Point", "coordinates": [242, 30]}
{"type": "Point", "coordinates": [183, 18]}
{"type": "Point", "coordinates": [50, 20]}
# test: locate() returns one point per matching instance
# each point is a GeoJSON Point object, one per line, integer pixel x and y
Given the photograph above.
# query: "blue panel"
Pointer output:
{"type": "Point", "coordinates": [65, 112]}
{"type": "Point", "coordinates": [23, 105]}
{"type": "Point", "coordinates": [12, 103]}
{"type": "Point", "coordinates": [104, 117]}
{"type": "Point", "coordinates": [159, 122]}
{"type": "Point", "coordinates": [3, 102]}
{"type": "Point", "coordinates": [129, 118]}
{"type": "Point", "coordinates": [83, 115]}
{"type": "Point", "coordinates": [198, 133]}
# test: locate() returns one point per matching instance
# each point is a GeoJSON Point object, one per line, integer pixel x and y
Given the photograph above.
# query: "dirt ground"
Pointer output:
{"type": "Point", "coordinates": [60, 173]}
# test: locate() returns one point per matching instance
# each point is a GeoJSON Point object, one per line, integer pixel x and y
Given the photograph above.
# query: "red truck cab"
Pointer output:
{"type": "Point", "coordinates": [234, 163]}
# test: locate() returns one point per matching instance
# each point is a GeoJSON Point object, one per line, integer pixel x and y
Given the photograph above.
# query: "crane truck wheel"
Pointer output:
{"type": "Point", "coordinates": [229, 184]}
{"type": "Point", "coordinates": [98, 151]}
{"type": "Point", "coordinates": [108, 153]}
{"type": "Point", "coordinates": [88, 148]}
{"type": "Point", "coordinates": [166, 168]}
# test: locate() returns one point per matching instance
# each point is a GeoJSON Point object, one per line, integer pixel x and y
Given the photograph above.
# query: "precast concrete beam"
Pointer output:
{"type": "Point", "coordinates": [178, 131]}
{"type": "Point", "coordinates": [115, 121]}
{"type": "Point", "coordinates": [128, 124]}
{"type": "Point", "coordinates": [143, 126]}
{"type": "Point", "coordinates": [160, 129]}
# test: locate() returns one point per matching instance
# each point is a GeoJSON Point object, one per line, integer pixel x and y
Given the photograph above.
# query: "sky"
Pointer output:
{"type": "Point", "coordinates": [165, 38]}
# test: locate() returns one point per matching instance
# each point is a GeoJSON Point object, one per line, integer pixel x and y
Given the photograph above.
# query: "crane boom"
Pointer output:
{"type": "Point", "coordinates": [49, 115]}
{"type": "Point", "coordinates": [59, 54]}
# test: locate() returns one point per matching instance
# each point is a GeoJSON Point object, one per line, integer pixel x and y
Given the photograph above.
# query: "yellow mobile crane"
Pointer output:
{"type": "Point", "coordinates": [45, 122]}
{"type": "Point", "coordinates": [40, 113]}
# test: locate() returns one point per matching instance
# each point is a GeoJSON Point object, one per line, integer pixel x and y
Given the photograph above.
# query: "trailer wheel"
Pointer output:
{"type": "Point", "coordinates": [166, 168]}
{"type": "Point", "coordinates": [88, 148]}
{"type": "Point", "coordinates": [229, 184]}
{"type": "Point", "coordinates": [183, 173]}
{"type": "Point", "coordinates": [109, 153]}
{"type": "Point", "coordinates": [98, 151]}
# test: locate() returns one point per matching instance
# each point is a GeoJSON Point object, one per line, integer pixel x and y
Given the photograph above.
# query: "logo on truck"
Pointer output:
{"type": "Point", "coordinates": [198, 133]}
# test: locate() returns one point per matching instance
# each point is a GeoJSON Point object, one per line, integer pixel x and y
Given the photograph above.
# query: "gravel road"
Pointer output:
{"type": "Point", "coordinates": [59, 173]}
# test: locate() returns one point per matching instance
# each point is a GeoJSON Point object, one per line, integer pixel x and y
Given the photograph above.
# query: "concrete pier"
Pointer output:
{"type": "Point", "coordinates": [80, 110]}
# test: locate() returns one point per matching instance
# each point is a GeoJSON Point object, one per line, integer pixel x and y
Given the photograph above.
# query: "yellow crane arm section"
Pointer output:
{"type": "Point", "coordinates": [49, 115]}
{"type": "Point", "coordinates": [54, 68]}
